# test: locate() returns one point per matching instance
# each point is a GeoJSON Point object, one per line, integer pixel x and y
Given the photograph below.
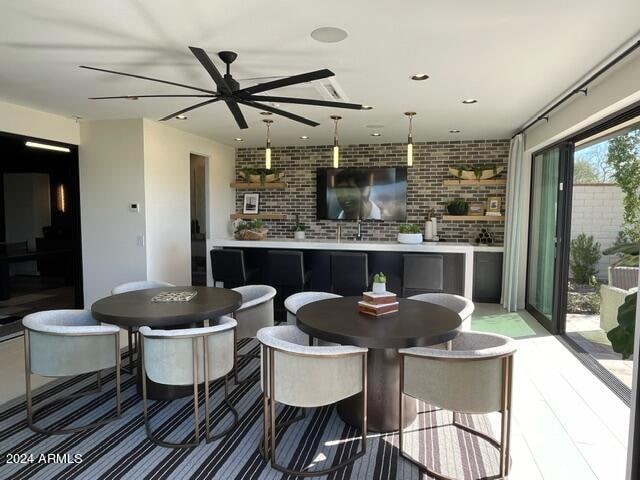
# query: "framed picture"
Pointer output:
{"type": "Point", "coordinates": [494, 205]}
{"type": "Point", "coordinates": [251, 201]}
{"type": "Point", "coordinates": [476, 208]}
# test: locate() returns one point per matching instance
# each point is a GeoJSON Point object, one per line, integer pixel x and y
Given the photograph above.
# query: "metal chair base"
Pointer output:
{"type": "Point", "coordinates": [250, 379]}
{"type": "Point", "coordinates": [492, 441]}
{"type": "Point", "coordinates": [32, 413]}
{"type": "Point", "coordinates": [132, 348]}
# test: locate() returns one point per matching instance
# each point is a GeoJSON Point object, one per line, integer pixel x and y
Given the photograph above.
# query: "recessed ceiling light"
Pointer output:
{"type": "Point", "coordinates": [238, 139]}
{"type": "Point", "coordinates": [304, 137]}
{"type": "Point", "coordinates": [419, 76]}
{"type": "Point", "coordinates": [329, 34]}
{"type": "Point", "coordinates": [181, 117]}
{"type": "Point", "coordinates": [376, 134]}
{"type": "Point", "coordinates": [366, 107]}
{"type": "Point", "coordinates": [265, 113]}
{"type": "Point", "coordinates": [454, 131]}
{"type": "Point", "coordinates": [469, 101]}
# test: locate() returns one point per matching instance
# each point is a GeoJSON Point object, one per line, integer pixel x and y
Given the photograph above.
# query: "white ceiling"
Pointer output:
{"type": "Point", "coordinates": [513, 56]}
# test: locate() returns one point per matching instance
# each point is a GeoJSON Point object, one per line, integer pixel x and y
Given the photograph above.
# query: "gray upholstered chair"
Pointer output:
{"type": "Point", "coordinates": [299, 375]}
{"type": "Point", "coordinates": [475, 376]}
{"type": "Point", "coordinates": [461, 305]}
{"type": "Point", "coordinates": [256, 312]}
{"type": "Point", "coordinates": [298, 300]}
{"type": "Point", "coordinates": [60, 343]}
{"type": "Point", "coordinates": [132, 331]}
{"type": "Point", "coordinates": [189, 357]}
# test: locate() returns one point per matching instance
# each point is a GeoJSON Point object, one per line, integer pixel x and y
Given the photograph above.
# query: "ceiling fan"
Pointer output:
{"type": "Point", "coordinates": [228, 90]}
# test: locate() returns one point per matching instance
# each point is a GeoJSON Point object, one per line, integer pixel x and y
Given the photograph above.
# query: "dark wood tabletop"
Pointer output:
{"type": "Point", "coordinates": [135, 309]}
{"type": "Point", "coordinates": [416, 324]}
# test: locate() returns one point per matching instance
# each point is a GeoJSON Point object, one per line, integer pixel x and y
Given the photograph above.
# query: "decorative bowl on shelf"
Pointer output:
{"type": "Point", "coordinates": [476, 173]}
{"type": "Point", "coordinates": [249, 234]}
{"type": "Point", "coordinates": [260, 175]}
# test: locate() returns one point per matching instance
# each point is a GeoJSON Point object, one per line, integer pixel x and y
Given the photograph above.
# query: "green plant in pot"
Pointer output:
{"type": "Point", "coordinates": [251, 230]}
{"type": "Point", "coordinates": [260, 175]}
{"type": "Point", "coordinates": [622, 336]}
{"type": "Point", "coordinates": [299, 229]}
{"type": "Point", "coordinates": [410, 233]}
{"type": "Point", "coordinates": [379, 283]}
{"type": "Point", "coordinates": [459, 206]}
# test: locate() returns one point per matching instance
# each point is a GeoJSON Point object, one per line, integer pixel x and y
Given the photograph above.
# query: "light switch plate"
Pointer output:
{"type": "Point", "coordinates": [134, 207]}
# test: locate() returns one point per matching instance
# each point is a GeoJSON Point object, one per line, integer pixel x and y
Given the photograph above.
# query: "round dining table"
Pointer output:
{"type": "Point", "coordinates": [415, 324]}
{"type": "Point", "coordinates": [137, 309]}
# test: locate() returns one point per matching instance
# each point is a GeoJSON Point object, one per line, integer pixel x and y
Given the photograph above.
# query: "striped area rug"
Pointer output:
{"type": "Point", "coordinates": [121, 449]}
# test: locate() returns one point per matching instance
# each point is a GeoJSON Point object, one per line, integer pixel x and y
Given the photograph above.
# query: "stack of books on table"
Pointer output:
{"type": "Point", "coordinates": [377, 304]}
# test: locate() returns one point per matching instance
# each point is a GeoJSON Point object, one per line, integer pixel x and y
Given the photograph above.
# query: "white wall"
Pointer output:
{"type": "Point", "coordinates": [597, 210]}
{"type": "Point", "coordinates": [167, 187]}
{"type": "Point", "coordinates": [111, 177]}
{"type": "Point", "coordinates": [35, 123]}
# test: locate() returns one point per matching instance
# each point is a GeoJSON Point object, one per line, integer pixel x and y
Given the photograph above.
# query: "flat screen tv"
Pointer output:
{"type": "Point", "coordinates": [378, 193]}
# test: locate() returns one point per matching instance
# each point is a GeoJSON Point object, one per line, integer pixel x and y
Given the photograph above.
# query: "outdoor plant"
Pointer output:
{"type": "Point", "coordinates": [583, 258]}
{"type": "Point", "coordinates": [379, 278]}
{"type": "Point", "coordinates": [621, 337]}
{"type": "Point", "coordinates": [409, 228]}
{"type": "Point", "coordinates": [459, 206]}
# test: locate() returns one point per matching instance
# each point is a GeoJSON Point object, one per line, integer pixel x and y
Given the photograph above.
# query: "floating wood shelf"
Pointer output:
{"type": "Point", "coordinates": [259, 186]}
{"type": "Point", "coordinates": [491, 181]}
{"type": "Point", "coordinates": [478, 218]}
{"type": "Point", "coordinates": [259, 216]}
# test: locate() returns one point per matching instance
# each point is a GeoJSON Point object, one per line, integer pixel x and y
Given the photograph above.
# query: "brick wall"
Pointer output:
{"type": "Point", "coordinates": [597, 210]}
{"type": "Point", "coordinates": [425, 185]}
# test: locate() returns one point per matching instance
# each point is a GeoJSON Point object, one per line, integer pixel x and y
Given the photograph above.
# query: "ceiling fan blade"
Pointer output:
{"type": "Point", "coordinates": [303, 101]}
{"type": "Point", "coordinates": [135, 97]}
{"type": "Point", "coordinates": [277, 111]}
{"type": "Point", "coordinates": [192, 107]}
{"type": "Point", "coordinates": [284, 82]}
{"type": "Point", "coordinates": [148, 78]}
{"type": "Point", "coordinates": [211, 69]}
{"type": "Point", "coordinates": [237, 114]}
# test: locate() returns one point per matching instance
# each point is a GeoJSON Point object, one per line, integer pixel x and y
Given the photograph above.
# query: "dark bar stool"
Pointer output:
{"type": "Point", "coordinates": [349, 273]}
{"type": "Point", "coordinates": [286, 273]}
{"type": "Point", "coordinates": [422, 273]}
{"type": "Point", "coordinates": [227, 266]}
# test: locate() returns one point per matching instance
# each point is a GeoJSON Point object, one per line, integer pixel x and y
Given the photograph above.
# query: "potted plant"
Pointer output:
{"type": "Point", "coordinates": [260, 175]}
{"type": "Point", "coordinates": [479, 172]}
{"type": "Point", "coordinates": [459, 206]}
{"type": "Point", "coordinates": [410, 233]}
{"type": "Point", "coordinates": [379, 283]}
{"type": "Point", "coordinates": [298, 229]}
{"type": "Point", "coordinates": [251, 230]}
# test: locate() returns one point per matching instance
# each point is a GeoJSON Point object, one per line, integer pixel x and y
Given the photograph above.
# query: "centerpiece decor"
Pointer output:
{"type": "Point", "coordinates": [251, 230]}
{"type": "Point", "coordinates": [379, 301]}
{"type": "Point", "coordinates": [410, 233]}
{"type": "Point", "coordinates": [458, 206]}
{"type": "Point", "coordinates": [480, 172]}
{"type": "Point", "coordinates": [260, 175]}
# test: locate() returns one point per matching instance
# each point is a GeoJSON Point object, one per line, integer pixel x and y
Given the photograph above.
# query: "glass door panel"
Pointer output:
{"type": "Point", "coordinates": [543, 224]}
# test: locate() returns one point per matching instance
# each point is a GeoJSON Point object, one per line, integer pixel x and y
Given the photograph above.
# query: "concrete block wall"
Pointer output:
{"type": "Point", "coordinates": [598, 211]}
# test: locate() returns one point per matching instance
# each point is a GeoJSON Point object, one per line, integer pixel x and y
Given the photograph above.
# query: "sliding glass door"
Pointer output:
{"type": "Point", "coordinates": [548, 219]}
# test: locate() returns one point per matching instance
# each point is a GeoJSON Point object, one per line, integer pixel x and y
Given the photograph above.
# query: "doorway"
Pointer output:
{"type": "Point", "coordinates": [40, 247]}
{"type": "Point", "coordinates": [199, 218]}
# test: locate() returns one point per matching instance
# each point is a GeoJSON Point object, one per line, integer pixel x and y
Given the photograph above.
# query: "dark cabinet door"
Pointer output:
{"type": "Point", "coordinates": [487, 277]}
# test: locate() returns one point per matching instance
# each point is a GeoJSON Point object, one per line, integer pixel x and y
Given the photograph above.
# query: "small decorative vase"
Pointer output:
{"type": "Point", "coordinates": [379, 287]}
{"type": "Point", "coordinates": [411, 238]}
{"type": "Point", "coordinates": [298, 234]}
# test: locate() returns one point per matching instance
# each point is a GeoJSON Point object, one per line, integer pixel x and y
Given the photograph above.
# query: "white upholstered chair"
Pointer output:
{"type": "Point", "coordinates": [475, 376]}
{"type": "Point", "coordinates": [256, 312]}
{"type": "Point", "coordinates": [462, 306]}
{"type": "Point", "coordinates": [299, 375]}
{"type": "Point", "coordinates": [298, 300]}
{"type": "Point", "coordinates": [189, 357]}
{"type": "Point", "coordinates": [60, 343]}
{"type": "Point", "coordinates": [131, 331]}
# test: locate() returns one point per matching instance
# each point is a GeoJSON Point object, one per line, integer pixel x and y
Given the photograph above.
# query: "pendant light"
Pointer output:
{"type": "Point", "coordinates": [336, 147]}
{"type": "Point", "coordinates": [410, 139]}
{"type": "Point", "coordinates": [267, 150]}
